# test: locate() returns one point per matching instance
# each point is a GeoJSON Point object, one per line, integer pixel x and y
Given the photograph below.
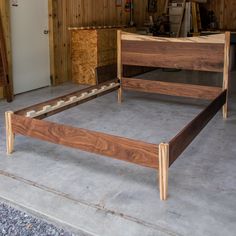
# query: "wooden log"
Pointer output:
{"type": "Point", "coordinates": [163, 170]}
{"type": "Point", "coordinates": [174, 89]}
{"type": "Point", "coordinates": [181, 141]}
{"type": "Point", "coordinates": [226, 71]}
{"type": "Point", "coordinates": [125, 149]}
{"type": "Point", "coordinates": [9, 132]}
{"type": "Point", "coordinates": [119, 65]}
{"type": "Point", "coordinates": [189, 56]}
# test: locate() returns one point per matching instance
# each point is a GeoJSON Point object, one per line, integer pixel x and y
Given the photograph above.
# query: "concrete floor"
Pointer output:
{"type": "Point", "coordinates": [102, 196]}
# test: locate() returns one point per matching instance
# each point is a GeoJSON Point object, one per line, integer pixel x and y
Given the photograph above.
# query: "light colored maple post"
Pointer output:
{"type": "Point", "coordinates": [9, 133]}
{"type": "Point", "coordinates": [226, 72]}
{"type": "Point", "coordinates": [163, 170]}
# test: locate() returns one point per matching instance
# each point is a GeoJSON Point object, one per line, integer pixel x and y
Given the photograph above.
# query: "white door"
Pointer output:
{"type": "Point", "coordinates": [30, 45]}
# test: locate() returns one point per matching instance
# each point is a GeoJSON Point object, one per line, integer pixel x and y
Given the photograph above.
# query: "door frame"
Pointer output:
{"type": "Point", "coordinates": [5, 15]}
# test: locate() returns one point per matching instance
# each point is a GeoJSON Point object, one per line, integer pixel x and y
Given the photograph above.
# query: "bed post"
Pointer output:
{"type": "Point", "coordinates": [163, 170]}
{"type": "Point", "coordinates": [9, 133]}
{"type": "Point", "coordinates": [226, 72]}
{"type": "Point", "coordinates": [119, 65]}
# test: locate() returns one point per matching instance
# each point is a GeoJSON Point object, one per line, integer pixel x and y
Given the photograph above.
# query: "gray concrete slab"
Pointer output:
{"type": "Point", "coordinates": [102, 196]}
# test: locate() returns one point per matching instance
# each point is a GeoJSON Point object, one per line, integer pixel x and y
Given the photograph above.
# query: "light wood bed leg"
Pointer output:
{"type": "Point", "coordinates": [9, 133]}
{"type": "Point", "coordinates": [163, 170]}
{"type": "Point", "coordinates": [226, 72]}
{"type": "Point", "coordinates": [119, 65]}
{"type": "Point", "coordinates": [120, 97]}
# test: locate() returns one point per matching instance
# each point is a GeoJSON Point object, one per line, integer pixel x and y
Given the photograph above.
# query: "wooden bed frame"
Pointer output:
{"type": "Point", "coordinates": [209, 53]}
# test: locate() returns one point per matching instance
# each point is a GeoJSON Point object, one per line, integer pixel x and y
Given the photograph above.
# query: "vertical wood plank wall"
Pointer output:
{"type": "Point", "coordinates": [5, 15]}
{"type": "Point", "coordinates": [225, 13]}
{"type": "Point", "coordinates": [86, 13]}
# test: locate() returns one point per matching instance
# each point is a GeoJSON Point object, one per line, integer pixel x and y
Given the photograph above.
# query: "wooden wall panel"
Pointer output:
{"type": "Point", "coordinates": [141, 13]}
{"type": "Point", "coordinates": [5, 16]}
{"type": "Point", "coordinates": [229, 16]}
{"type": "Point", "coordinates": [225, 13]}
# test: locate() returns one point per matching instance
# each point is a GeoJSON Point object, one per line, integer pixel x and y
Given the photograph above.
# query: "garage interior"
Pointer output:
{"type": "Point", "coordinates": [74, 47]}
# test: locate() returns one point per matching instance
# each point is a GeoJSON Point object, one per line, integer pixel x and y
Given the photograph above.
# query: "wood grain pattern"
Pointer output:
{"type": "Point", "coordinates": [133, 151]}
{"type": "Point", "coordinates": [163, 170]}
{"type": "Point", "coordinates": [4, 65]}
{"type": "Point", "coordinates": [5, 18]}
{"type": "Point", "coordinates": [225, 13]}
{"type": "Point", "coordinates": [181, 141]}
{"type": "Point", "coordinates": [209, 39]}
{"type": "Point", "coordinates": [226, 73]}
{"type": "Point", "coordinates": [84, 55]}
{"type": "Point", "coordinates": [174, 89]}
{"type": "Point", "coordinates": [189, 56]}
{"type": "Point", "coordinates": [53, 101]}
{"type": "Point", "coordinates": [93, 47]}
{"type": "Point", "coordinates": [9, 132]}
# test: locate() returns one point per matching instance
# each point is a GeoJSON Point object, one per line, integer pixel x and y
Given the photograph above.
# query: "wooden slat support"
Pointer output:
{"type": "Point", "coordinates": [119, 65]}
{"type": "Point", "coordinates": [163, 170]}
{"type": "Point", "coordinates": [53, 106]}
{"type": "Point", "coordinates": [9, 132]}
{"type": "Point", "coordinates": [137, 152]}
{"type": "Point", "coordinates": [226, 71]}
{"type": "Point", "coordinates": [169, 88]}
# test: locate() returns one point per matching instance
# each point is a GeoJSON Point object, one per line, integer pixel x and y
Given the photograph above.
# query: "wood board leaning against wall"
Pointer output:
{"type": "Point", "coordinates": [5, 19]}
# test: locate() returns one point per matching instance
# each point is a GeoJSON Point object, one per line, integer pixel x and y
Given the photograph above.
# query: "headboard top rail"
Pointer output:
{"type": "Point", "coordinates": [211, 39]}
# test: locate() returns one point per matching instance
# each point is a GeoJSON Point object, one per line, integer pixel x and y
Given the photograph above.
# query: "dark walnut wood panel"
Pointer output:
{"type": "Point", "coordinates": [174, 89]}
{"type": "Point", "coordinates": [181, 141]}
{"type": "Point", "coordinates": [125, 149]}
{"type": "Point", "coordinates": [189, 56]}
{"type": "Point", "coordinates": [53, 101]}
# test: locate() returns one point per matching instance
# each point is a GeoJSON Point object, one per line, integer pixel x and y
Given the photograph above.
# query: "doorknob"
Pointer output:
{"type": "Point", "coordinates": [45, 31]}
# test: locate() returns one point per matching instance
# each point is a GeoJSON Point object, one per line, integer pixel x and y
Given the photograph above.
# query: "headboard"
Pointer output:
{"type": "Point", "coordinates": [203, 53]}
